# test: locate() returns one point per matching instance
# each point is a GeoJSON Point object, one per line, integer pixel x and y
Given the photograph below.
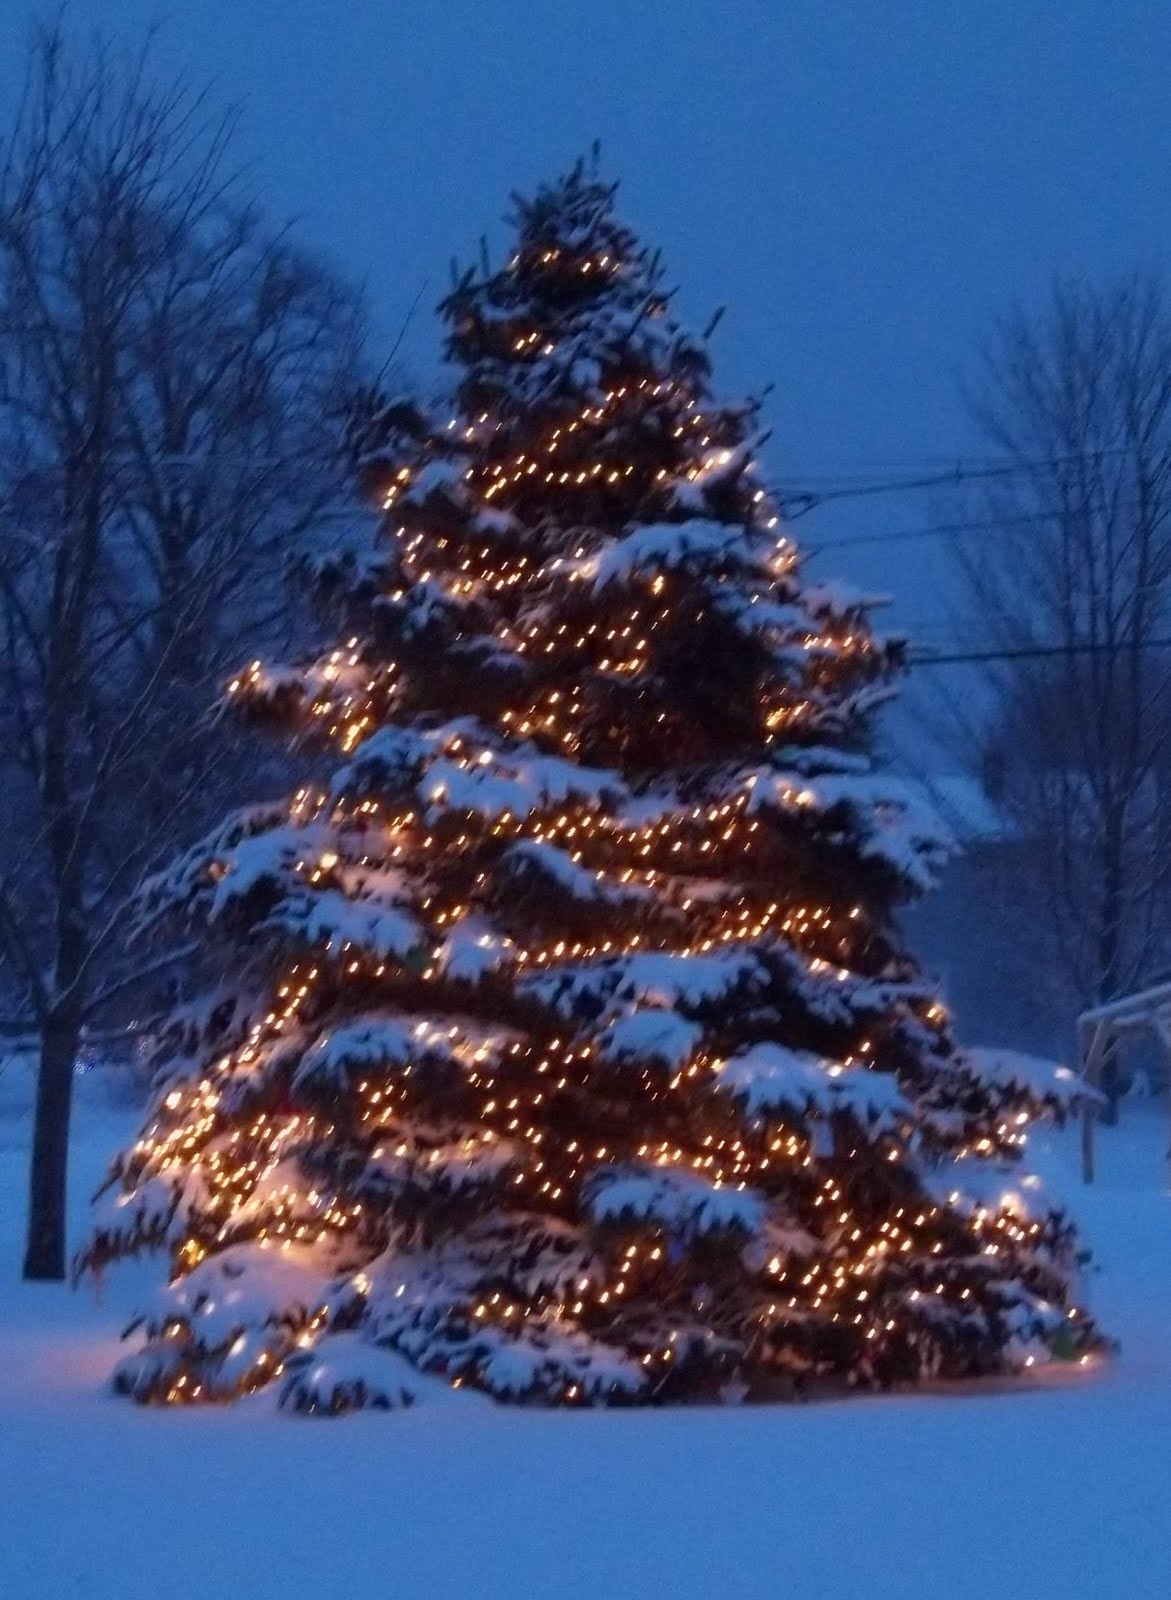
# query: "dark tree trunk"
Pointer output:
{"type": "Point", "coordinates": [45, 1250]}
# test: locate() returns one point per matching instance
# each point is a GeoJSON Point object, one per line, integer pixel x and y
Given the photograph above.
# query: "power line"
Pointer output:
{"type": "Point", "coordinates": [799, 501]}
{"type": "Point", "coordinates": [1035, 652]}
{"type": "Point", "coordinates": [935, 530]}
{"type": "Point", "coordinates": [796, 503]}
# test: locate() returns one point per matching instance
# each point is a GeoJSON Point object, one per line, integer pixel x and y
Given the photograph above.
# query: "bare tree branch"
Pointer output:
{"type": "Point", "coordinates": [169, 371]}
{"type": "Point", "coordinates": [1080, 398]}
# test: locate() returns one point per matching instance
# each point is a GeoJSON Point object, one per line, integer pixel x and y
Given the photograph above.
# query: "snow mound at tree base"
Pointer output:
{"type": "Point", "coordinates": [352, 1374]}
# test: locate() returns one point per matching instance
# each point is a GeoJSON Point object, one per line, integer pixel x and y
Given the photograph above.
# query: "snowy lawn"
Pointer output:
{"type": "Point", "coordinates": [1061, 1490]}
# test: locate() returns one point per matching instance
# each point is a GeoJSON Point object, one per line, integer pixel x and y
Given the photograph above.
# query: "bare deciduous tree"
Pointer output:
{"type": "Point", "coordinates": [168, 370]}
{"type": "Point", "coordinates": [1074, 573]}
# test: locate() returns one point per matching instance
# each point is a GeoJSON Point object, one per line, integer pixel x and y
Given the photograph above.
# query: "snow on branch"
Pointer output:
{"type": "Point", "coordinates": [325, 918]}
{"type": "Point", "coordinates": [537, 860]}
{"type": "Point", "coordinates": [389, 759]}
{"type": "Point", "coordinates": [662, 978]}
{"type": "Point", "coordinates": [697, 545]}
{"type": "Point", "coordinates": [1031, 1075]}
{"type": "Point", "coordinates": [651, 1033]}
{"type": "Point", "coordinates": [450, 1159]}
{"type": "Point", "coordinates": [886, 819]}
{"type": "Point", "coordinates": [472, 948]}
{"type": "Point", "coordinates": [517, 782]}
{"type": "Point", "coordinates": [374, 1042]}
{"type": "Point", "coordinates": [769, 1077]}
{"type": "Point", "coordinates": [352, 1373]}
{"type": "Point", "coordinates": [680, 1201]}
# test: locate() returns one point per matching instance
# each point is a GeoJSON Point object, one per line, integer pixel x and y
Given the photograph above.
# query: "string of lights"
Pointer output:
{"type": "Point", "coordinates": [561, 1042]}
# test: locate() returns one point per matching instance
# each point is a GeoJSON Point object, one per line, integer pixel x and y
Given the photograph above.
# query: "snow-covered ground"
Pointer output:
{"type": "Point", "coordinates": [1061, 1490]}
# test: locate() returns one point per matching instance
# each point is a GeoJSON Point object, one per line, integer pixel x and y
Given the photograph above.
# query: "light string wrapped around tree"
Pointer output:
{"type": "Point", "coordinates": [562, 1045]}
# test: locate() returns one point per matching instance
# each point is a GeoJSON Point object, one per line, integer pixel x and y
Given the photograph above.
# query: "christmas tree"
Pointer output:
{"type": "Point", "coordinates": [562, 1045]}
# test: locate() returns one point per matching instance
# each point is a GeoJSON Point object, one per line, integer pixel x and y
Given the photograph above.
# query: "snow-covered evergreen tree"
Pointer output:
{"type": "Point", "coordinates": [563, 1045]}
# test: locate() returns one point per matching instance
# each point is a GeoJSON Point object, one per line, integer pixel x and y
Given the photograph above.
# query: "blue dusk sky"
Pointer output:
{"type": "Point", "coordinates": [862, 182]}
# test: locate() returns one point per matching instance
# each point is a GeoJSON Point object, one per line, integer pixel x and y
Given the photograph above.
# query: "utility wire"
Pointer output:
{"type": "Point", "coordinates": [958, 469]}
{"type": "Point", "coordinates": [1034, 652]}
{"type": "Point", "coordinates": [939, 530]}
{"type": "Point", "coordinates": [799, 501]}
